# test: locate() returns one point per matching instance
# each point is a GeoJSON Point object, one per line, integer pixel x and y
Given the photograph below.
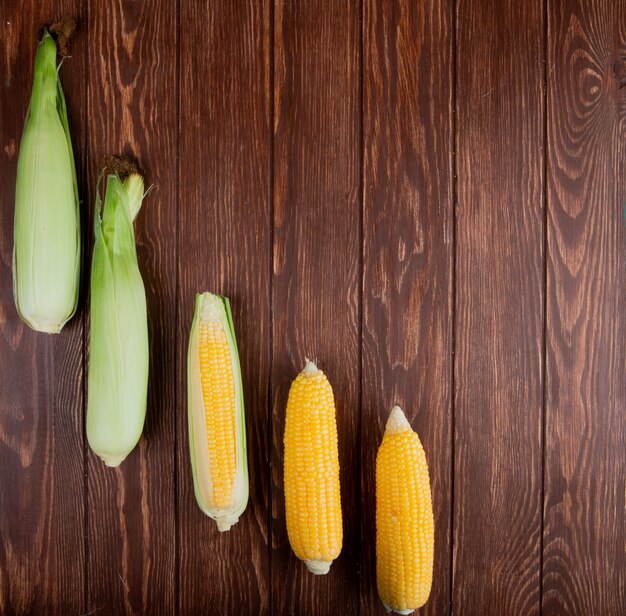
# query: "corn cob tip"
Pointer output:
{"type": "Point", "coordinates": [390, 609]}
{"type": "Point", "coordinates": [397, 421]}
{"type": "Point", "coordinates": [112, 461]}
{"type": "Point", "coordinates": [318, 567]}
{"type": "Point", "coordinates": [211, 308]}
{"type": "Point", "coordinates": [225, 522]}
{"type": "Point", "coordinates": [45, 327]}
{"type": "Point", "coordinates": [310, 369]}
{"type": "Point", "coordinates": [134, 187]}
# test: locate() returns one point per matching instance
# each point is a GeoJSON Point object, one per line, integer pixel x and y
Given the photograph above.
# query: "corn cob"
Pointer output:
{"type": "Point", "coordinates": [404, 518]}
{"type": "Point", "coordinates": [118, 335]}
{"type": "Point", "coordinates": [46, 250]}
{"type": "Point", "coordinates": [217, 431]}
{"type": "Point", "coordinates": [311, 471]}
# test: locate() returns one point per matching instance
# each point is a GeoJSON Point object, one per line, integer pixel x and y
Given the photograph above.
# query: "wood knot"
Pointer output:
{"type": "Point", "coordinates": [619, 71]}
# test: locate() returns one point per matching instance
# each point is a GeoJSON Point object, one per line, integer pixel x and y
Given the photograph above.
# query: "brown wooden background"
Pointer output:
{"type": "Point", "coordinates": [426, 196]}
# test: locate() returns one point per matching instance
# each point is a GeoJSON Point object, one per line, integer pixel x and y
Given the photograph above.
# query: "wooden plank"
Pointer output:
{"type": "Point", "coordinates": [132, 110]}
{"type": "Point", "coordinates": [499, 308]}
{"type": "Point", "coordinates": [225, 248]}
{"type": "Point", "coordinates": [584, 568]}
{"type": "Point", "coordinates": [41, 388]}
{"type": "Point", "coordinates": [316, 266]}
{"type": "Point", "coordinates": [408, 257]}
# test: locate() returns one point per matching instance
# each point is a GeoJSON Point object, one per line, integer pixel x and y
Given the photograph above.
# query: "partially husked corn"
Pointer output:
{"type": "Point", "coordinates": [404, 518]}
{"type": "Point", "coordinates": [217, 433]}
{"type": "Point", "coordinates": [311, 471]}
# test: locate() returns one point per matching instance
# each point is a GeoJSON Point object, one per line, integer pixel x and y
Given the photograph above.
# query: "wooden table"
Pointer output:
{"type": "Point", "coordinates": [427, 197]}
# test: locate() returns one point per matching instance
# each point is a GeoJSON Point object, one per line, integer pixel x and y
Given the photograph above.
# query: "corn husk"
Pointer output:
{"type": "Point", "coordinates": [118, 337]}
{"type": "Point", "coordinates": [46, 251]}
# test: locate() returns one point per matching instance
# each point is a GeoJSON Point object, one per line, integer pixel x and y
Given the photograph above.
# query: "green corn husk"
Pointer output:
{"type": "Point", "coordinates": [119, 353]}
{"type": "Point", "coordinates": [46, 251]}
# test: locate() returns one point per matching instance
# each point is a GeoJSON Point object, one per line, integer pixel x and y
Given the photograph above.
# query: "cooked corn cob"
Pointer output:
{"type": "Point", "coordinates": [217, 431]}
{"type": "Point", "coordinates": [311, 469]}
{"type": "Point", "coordinates": [404, 518]}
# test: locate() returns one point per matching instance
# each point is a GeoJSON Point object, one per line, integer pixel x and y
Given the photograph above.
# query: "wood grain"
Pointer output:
{"type": "Point", "coordinates": [304, 156]}
{"type": "Point", "coordinates": [408, 257]}
{"type": "Point", "coordinates": [132, 110]}
{"type": "Point", "coordinates": [225, 248]}
{"type": "Point", "coordinates": [499, 308]}
{"type": "Point", "coordinates": [316, 265]}
{"type": "Point", "coordinates": [41, 393]}
{"type": "Point", "coordinates": [585, 521]}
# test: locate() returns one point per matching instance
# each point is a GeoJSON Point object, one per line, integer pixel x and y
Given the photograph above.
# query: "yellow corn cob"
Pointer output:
{"type": "Point", "coordinates": [404, 518]}
{"type": "Point", "coordinates": [216, 416]}
{"type": "Point", "coordinates": [311, 468]}
{"type": "Point", "coordinates": [218, 392]}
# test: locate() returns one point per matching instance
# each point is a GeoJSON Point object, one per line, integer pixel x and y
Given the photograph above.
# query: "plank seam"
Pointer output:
{"type": "Point", "coordinates": [84, 319]}
{"type": "Point", "coordinates": [177, 322]}
{"type": "Point", "coordinates": [544, 341]}
{"type": "Point", "coordinates": [454, 295]}
{"type": "Point", "coordinates": [270, 350]}
{"type": "Point", "coordinates": [360, 301]}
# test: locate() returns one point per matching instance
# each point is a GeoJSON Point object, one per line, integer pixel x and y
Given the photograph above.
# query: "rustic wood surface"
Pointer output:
{"type": "Point", "coordinates": [585, 444]}
{"type": "Point", "coordinates": [224, 244]}
{"type": "Point", "coordinates": [499, 291]}
{"type": "Point", "coordinates": [408, 243]}
{"type": "Point", "coordinates": [428, 198]}
{"type": "Point", "coordinates": [43, 536]}
{"type": "Point", "coordinates": [132, 45]}
{"type": "Point", "coordinates": [316, 267]}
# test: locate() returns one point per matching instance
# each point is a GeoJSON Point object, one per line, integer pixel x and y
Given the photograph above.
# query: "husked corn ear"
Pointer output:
{"type": "Point", "coordinates": [404, 518]}
{"type": "Point", "coordinates": [217, 432]}
{"type": "Point", "coordinates": [311, 471]}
